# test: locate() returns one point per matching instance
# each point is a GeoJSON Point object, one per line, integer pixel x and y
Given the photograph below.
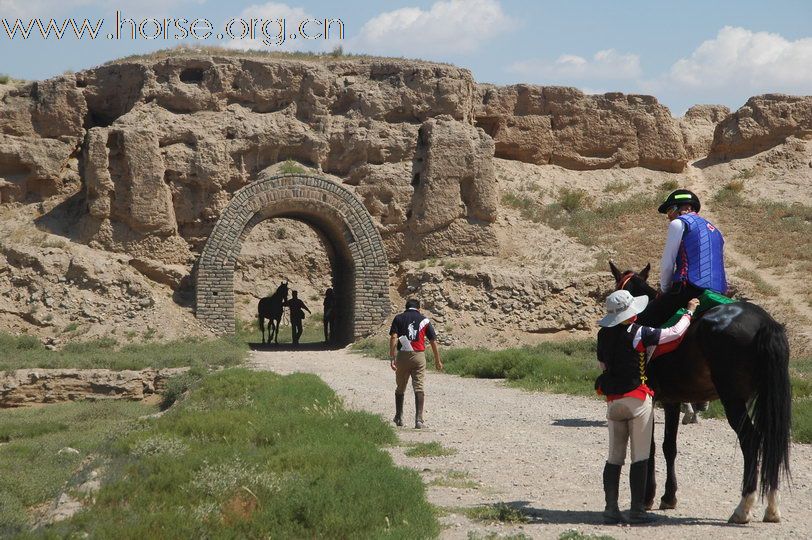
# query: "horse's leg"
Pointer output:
{"type": "Point", "coordinates": [262, 328]}
{"type": "Point", "coordinates": [669, 498]}
{"type": "Point", "coordinates": [651, 484]}
{"type": "Point", "coordinates": [772, 514]}
{"type": "Point", "coordinates": [736, 411]}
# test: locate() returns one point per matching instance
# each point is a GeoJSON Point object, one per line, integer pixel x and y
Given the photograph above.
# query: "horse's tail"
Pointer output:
{"type": "Point", "coordinates": [772, 406]}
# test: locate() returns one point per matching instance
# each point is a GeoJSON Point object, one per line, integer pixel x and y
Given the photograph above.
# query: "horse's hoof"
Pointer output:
{"type": "Point", "coordinates": [772, 517]}
{"type": "Point", "coordinates": [739, 519]}
{"type": "Point", "coordinates": [649, 505]}
{"type": "Point", "coordinates": [668, 505]}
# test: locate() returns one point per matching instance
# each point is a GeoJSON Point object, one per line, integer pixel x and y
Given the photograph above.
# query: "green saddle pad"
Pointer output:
{"type": "Point", "coordinates": [707, 300]}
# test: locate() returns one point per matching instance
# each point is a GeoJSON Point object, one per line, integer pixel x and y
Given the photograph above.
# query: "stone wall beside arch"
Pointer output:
{"type": "Point", "coordinates": [357, 255]}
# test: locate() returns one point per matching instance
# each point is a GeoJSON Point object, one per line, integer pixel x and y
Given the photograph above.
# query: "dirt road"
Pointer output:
{"type": "Point", "coordinates": [544, 453]}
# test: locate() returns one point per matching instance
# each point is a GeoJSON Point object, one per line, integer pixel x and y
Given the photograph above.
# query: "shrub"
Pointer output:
{"type": "Point", "coordinates": [291, 167]}
{"type": "Point", "coordinates": [573, 199]}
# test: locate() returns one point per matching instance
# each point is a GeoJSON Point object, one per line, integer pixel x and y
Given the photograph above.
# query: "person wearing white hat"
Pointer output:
{"type": "Point", "coordinates": [624, 348]}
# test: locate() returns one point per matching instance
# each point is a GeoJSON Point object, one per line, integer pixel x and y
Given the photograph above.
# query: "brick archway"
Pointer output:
{"type": "Point", "coordinates": [357, 255]}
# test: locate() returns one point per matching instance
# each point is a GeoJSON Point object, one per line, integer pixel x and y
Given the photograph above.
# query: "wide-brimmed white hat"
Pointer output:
{"type": "Point", "coordinates": [621, 305]}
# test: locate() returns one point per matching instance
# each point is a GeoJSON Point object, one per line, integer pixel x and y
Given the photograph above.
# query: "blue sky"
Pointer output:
{"type": "Point", "coordinates": [683, 52]}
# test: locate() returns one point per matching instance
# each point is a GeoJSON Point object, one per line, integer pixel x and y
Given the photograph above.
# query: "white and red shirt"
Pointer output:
{"type": "Point", "coordinates": [412, 329]}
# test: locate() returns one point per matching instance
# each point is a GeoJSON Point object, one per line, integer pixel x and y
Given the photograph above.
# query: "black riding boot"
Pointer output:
{"type": "Point", "coordinates": [638, 476]}
{"type": "Point", "coordinates": [419, 398]}
{"type": "Point", "coordinates": [398, 419]}
{"type": "Point", "coordinates": [611, 486]}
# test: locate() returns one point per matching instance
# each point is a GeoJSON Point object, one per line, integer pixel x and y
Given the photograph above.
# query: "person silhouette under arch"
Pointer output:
{"type": "Point", "coordinates": [297, 308]}
{"type": "Point", "coordinates": [330, 313]}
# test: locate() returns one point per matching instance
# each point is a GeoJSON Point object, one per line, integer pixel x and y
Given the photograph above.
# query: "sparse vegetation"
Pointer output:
{"type": "Point", "coordinates": [669, 185]}
{"type": "Point", "coordinates": [789, 236]}
{"type": "Point", "coordinates": [574, 534]}
{"type": "Point", "coordinates": [431, 449]}
{"type": "Point", "coordinates": [572, 200]}
{"type": "Point", "coordinates": [4, 79]}
{"type": "Point", "coordinates": [617, 186]}
{"type": "Point", "coordinates": [499, 512]}
{"type": "Point", "coordinates": [185, 51]}
{"type": "Point", "coordinates": [254, 453]}
{"type": "Point", "coordinates": [455, 479]}
{"type": "Point", "coordinates": [761, 286]}
{"type": "Point", "coordinates": [291, 167]}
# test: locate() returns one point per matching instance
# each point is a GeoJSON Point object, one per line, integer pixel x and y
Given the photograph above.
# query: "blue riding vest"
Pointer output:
{"type": "Point", "coordinates": [700, 260]}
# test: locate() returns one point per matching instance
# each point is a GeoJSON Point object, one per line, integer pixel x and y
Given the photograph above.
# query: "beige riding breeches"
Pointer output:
{"type": "Point", "coordinates": [629, 419]}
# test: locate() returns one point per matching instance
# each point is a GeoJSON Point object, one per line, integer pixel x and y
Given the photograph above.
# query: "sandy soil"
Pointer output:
{"type": "Point", "coordinates": [545, 453]}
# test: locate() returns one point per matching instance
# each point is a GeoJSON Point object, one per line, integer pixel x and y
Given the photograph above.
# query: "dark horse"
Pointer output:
{"type": "Point", "coordinates": [739, 354]}
{"type": "Point", "coordinates": [271, 308]}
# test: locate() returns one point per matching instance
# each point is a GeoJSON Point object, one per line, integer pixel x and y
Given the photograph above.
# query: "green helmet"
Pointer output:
{"type": "Point", "coordinates": [678, 198]}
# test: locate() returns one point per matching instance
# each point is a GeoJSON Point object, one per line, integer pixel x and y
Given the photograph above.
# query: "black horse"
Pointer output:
{"type": "Point", "coordinates": [739, 354]}
{"type": "Point", "coordinates": [270, 308]}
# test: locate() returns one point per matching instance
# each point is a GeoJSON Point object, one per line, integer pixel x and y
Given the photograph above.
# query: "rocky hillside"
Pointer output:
{"type": "Point", "coordinates": [112, 178]}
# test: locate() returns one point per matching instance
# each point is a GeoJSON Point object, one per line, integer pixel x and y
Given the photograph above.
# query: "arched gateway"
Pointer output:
{"type": "Point", "coordinates": [354, 246]}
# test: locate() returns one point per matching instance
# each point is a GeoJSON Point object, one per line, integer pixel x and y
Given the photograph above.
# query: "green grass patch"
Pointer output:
{"type": "Point", "coordinates": [499, 512]}
{"type": "Point", "coordinates": [32, 470]}
{"type": "Point", "coordinates": [430, 449]}
{"type": "Point", "coordinates": [564, 368]}
{"type": "Point", "coordinates": [19, 352]}
{"type": "Point", "coordinates": [254, 454]}
{"type": "Point", "coordinates": [4, 79]}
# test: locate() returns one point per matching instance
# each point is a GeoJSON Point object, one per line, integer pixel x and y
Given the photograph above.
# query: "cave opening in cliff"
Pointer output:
{"type": "Point", "coordinates": [297, 251]}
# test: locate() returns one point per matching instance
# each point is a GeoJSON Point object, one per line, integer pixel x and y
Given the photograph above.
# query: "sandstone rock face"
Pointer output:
{"type": "Point", "coordinates": [764, 122]}
{"type": "Point", "coordinates": [454, 185]}
{"type": "Point", "coordinates": [31, 386]}
{"type": "Point", "coordinates": [563, 126]}
{"type": "Point", "coordinates": [698, 126]}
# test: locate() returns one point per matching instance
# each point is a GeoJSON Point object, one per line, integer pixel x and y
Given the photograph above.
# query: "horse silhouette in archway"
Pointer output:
{"type": "Point", "coordinates": [271, 308]}
{"type": "Point", "coordinates": [739, 354]}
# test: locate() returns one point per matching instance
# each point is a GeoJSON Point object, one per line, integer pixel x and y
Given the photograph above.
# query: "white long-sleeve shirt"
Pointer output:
{"type": "Point", "coordinates": [672, 242]}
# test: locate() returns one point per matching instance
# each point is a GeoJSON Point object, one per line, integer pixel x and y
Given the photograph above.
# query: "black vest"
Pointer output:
{"type": "Point", "coordinates": [625, 367]}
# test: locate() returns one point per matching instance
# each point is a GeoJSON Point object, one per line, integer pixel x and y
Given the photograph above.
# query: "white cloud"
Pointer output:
{"type": "Point", "coordinates": [742, 59]}
{"type": "Point", "coordinates": [604, 65]}
{"type": "Point", "coordinates": [447, 27]}
{"type": "Point", "coordinates": [269, 34]}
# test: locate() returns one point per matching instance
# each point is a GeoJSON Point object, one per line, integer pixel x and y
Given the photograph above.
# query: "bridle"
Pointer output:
{"type": "Point", "coordinates": [624, 280]}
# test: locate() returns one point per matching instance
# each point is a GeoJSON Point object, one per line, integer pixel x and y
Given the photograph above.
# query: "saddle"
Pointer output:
{"type": "Point", "coordinates": [707, 300]}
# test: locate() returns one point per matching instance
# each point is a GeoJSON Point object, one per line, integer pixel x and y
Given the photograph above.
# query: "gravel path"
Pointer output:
{"type": "Point", "coordinates": [545, 453]}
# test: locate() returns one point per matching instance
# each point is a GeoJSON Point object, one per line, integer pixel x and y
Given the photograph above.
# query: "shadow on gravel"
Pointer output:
{"type": "Point", "coordinates": [578, 422]}
{"type": "Point", "coordinates": [533, 515]}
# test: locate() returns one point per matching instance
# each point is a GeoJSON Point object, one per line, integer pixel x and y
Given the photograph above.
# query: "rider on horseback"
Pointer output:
{"type": "Point", "coordinates": [693, 258]}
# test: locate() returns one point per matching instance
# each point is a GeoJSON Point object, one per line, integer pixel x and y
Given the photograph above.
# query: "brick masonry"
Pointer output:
{"type": "Point", "coordinates": [323, 204]}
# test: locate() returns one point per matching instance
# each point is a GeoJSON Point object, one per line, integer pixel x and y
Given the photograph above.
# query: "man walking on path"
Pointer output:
{"type": "Point", "coordinates": [297, 309]}
{"type": "Point", "coordinates": [407, 346]}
